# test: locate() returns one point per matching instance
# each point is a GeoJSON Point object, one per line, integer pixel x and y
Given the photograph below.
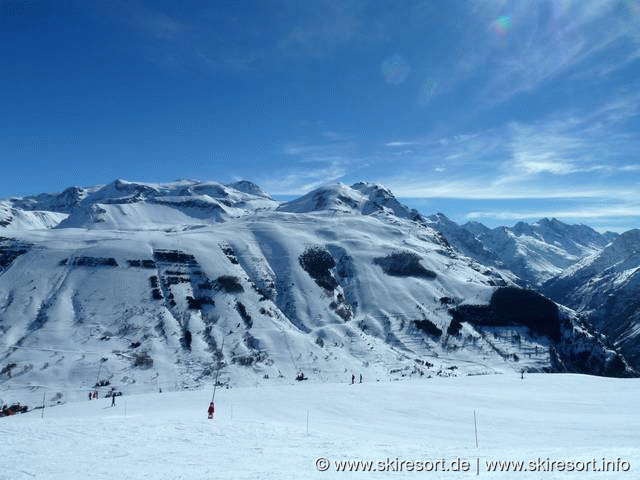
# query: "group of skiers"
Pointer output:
{"type": "Point", "coordinates": [112, 393]}
{"type": "Point", "coordinates": [353, 378]}
{"type": "Point", "coordinates": [8, 410]}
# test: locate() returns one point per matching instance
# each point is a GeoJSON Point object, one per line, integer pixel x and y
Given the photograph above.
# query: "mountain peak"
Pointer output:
{"type": "Point", "coordinates": [123, 204]}
{"type": "Point", "coordinates": [365, 198]}
{"type": "Point", "coordinates": [248, 187]}
{"type": "Point", "coordinates": [549, 221]}
{"type": "Point", "coordinates": [627, 244]}
{"type": "Point", "coordinates": [330, 197]}
{"type": "Point", "coordinates": [370, 188]}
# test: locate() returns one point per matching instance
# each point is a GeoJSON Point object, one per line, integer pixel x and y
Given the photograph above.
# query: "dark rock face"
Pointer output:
{"type": "Point", "coordinates": [575, 346]}
{"type": "Point", "coordinates": [9, 251]}
{"type": "Point", "coordinates": [510, 306]}
{"type": "Point", "coordinates": [229, 253]}
{"type": "Point", "coordinates": [528, 308]}
{"type": "Point", "coordinates": [143, 360]}
{"type": "Point", "coordinates": [242, 311]}
{"type": "Point", "coordinates": [428, 327]}
{"type": "Point", "coordinates": [317, 262]}
{"type": "Point", "coordinates": [94, 262]}
{"type": "Point", "coordinates": [229, 284]}
{"type": "Point", "coordinates": [149, 264]}
{"type": "Point", "coordinates": [174, 256]}
{"type": "Point", "coordinates": [403, 264]}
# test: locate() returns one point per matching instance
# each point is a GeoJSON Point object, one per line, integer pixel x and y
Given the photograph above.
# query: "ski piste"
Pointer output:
{"type": "Point", "coordinates": [264, 431]}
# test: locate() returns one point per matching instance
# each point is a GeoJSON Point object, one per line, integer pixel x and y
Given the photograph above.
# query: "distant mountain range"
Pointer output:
{"type": "Point", "coordinates": [595, 274]}
{"type": "Point", "coordinates": [535, 253]}
{"type": "Point", "coordinates": [140, 285]}
{"type": "Point", "coordinates": [604, 286]}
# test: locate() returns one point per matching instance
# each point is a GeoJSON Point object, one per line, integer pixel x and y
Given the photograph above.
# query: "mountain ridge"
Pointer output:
{"type": "Point", "coordinates": [534, 252]}
{"type": "Point", "coordinates": [156, 278]}
{"type": "Point", "coordinates": [605, 286]}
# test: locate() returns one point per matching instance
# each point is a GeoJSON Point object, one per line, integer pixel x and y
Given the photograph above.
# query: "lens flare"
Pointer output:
{"type": "Point", "coordinates": [502, 25]}
{"type": "Point", "coordinates": [395, 69]}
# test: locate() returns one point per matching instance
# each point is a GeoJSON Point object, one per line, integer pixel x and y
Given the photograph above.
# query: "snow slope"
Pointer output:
{"type": "Point", "coordinates": [78, 291]}
{"type": "Point", "coordinates": [13, 219]}
{"type": "Point", "coordinates": [157, 290]}
{"type": "Point", "coordinates": [280, 432]}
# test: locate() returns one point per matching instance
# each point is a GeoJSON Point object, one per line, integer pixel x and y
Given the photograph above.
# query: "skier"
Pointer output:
{"type": "Point", "coordinates": [353, 378]}
{"type": "Point", "coordinates": [210, 411]}
{"type": "Point", "coordinates": [113, 399]}
{"type": "Point", "coordinates": [360, 378]}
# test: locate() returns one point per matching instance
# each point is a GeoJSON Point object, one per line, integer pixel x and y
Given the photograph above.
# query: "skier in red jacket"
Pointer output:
{"type": "Point", "coordinates": [211, 410]}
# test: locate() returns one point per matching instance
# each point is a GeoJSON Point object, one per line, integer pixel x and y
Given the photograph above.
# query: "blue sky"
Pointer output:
{"type": "Point", "coordinates": [487, 110]}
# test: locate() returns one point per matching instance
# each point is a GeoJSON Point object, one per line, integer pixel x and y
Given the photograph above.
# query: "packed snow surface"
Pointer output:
{"type": "Point", "coordinates": [280, 432]}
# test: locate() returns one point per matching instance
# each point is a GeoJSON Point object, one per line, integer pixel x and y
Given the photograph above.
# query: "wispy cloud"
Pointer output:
{"type": "Point", "coordinates": [397, 144]}
{"type": "Point", "coordinates": [573, 155]}
{"type": "Point", "coordinates": [247, 35]}
{"type": "Point", "coordinates": [162, 26]}
{"type": "Point", "coordinates": [299, 181]}
{"type": "Point", "coordinates": [479, 189]}
{"type": "Point", "coordinates": [326, 150]}
{"type": "Point", "coordinates": [553, 147]}
{"type": "Point", "coordinates": [313, 161]}
{"type": "Point", "coordinates": [325, 26]}
{"type": "Point", "coordinates": [153, 25]}
{"type": "Point", "coordinates": [545, 40]}
{"type": "Point", "coordinates": [619, 211]}
{"type": "Point", "coordinates": [615, 217]}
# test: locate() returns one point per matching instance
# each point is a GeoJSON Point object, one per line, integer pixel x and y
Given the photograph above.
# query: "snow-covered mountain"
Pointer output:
{"type": "Point", "coordinates": [534, 252]}
{"type": "Point", "coordinates": [132, 206]}
{"type": "Point", "coordinates": [364, 198]}
{"type": "Point", "coordinates": [148, 285]}
{"type": "Point", "coordinates": [15, 219]}
{"type": "Point", "coordinates": [605, 287]}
